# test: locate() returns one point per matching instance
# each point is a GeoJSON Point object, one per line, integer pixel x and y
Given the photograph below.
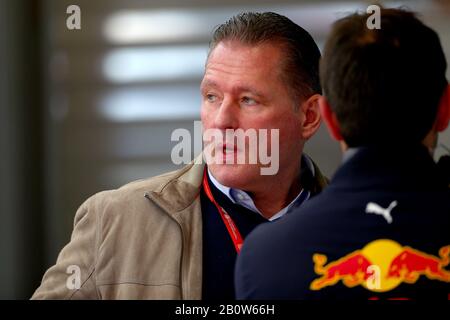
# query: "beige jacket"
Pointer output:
{"type": "Point", "coordinates": [142, 241]}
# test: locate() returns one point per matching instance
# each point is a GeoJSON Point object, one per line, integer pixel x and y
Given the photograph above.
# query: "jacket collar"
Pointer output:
{"type": "Point", "coordinates": [401, 168]}
{"type": "Point", "coordinates": [180, 189]}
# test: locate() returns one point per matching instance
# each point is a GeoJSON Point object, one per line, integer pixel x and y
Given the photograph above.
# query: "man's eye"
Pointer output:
{"type": "Point", "coordinates": [211, 98]}
{"type": "Point", "coordinates": [249, 101]}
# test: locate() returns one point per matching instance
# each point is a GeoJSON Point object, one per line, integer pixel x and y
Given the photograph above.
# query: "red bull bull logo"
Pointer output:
{"type": "Point", "coordinates": [381, 266]}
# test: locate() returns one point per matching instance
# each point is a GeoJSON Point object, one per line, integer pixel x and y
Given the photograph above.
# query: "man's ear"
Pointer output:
{"type": "Point", "coordinates": [330, 119]}
{"type": "Point", "coordinates": [443, 115]}
{"type": "Point", "coordinates": [312, 119]}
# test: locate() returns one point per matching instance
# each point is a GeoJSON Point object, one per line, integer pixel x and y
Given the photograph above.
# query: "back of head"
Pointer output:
{"type": "Point", "coordinates": [384, 85]}
{"type": "Point", "coordinates": [300, 66]}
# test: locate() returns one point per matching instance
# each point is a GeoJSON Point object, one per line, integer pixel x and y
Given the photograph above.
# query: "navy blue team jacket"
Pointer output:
{"type": "Point", "coordinates": [381, 230]}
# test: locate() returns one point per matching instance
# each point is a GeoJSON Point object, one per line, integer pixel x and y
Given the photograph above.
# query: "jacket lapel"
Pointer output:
{"type": "Point", "coordinates": [179, 197]}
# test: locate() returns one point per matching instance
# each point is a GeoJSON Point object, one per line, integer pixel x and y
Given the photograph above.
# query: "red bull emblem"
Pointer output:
{"type": "Point", "coordinates": [381, 266]}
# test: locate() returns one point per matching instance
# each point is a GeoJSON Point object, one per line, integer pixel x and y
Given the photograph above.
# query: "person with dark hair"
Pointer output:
{"type": "Point", "coordinates": [176, 236]}
{"type": "Point", "coordinates": [381, 228]}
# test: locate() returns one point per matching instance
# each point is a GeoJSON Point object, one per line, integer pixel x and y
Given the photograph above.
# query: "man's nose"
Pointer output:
{"type": "Point", "coordinates": [227, 115]}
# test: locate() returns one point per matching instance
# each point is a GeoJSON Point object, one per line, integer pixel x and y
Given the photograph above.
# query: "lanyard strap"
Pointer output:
{"type": "Point", "coordinates": [229, 223]}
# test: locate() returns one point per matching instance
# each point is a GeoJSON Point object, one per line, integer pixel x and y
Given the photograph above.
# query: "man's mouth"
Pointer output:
{"type": "Point", "coordinates": [229, 149]}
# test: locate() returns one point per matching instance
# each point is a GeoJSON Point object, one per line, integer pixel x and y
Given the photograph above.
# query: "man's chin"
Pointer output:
{"type": "Point", "coordinates": [234, 175]}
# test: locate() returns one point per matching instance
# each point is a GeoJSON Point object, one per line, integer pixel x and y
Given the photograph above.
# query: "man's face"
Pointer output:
{"type": "Point", "coordinates": [242, 89]}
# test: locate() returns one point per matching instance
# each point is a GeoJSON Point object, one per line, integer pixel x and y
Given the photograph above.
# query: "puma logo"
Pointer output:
{"type": "Point", "coordinates": [376, 209]}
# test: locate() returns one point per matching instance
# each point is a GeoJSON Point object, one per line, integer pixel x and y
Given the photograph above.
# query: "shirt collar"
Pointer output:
{"type": "Point", "coordinates": [349, 153]}
{"type": "Point", "coordinates": [242, 198]}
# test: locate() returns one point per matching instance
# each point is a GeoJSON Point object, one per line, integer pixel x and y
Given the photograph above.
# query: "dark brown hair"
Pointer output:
{"type": "Point", "coordinates": [384, 85]}
{"type": "Point", "coordinates": [300, 67]}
